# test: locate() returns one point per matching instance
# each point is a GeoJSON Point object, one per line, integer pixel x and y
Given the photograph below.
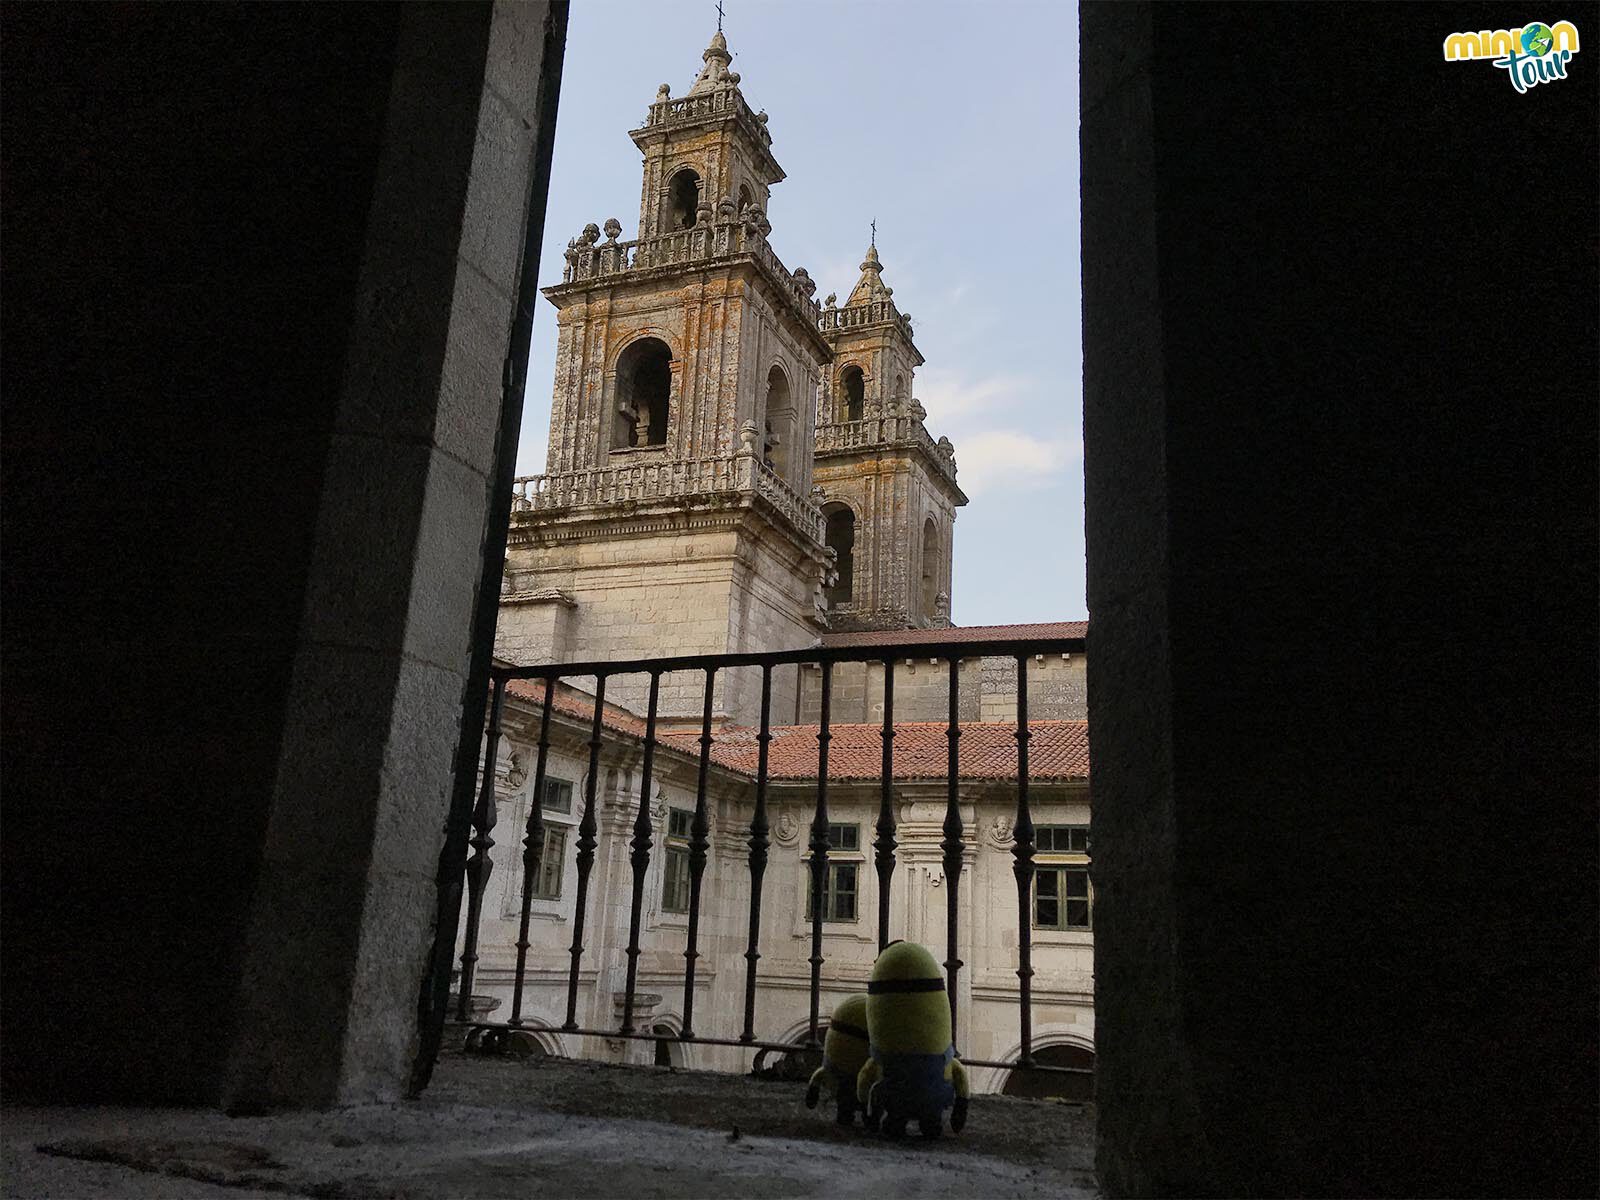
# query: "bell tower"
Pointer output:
{"type": "Point", "coordinates": [676, 513]}
{"type": "Point", "coordinates": [889, 490]}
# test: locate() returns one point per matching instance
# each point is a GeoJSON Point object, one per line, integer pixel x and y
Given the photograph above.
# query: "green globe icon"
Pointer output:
{"type": "Point", "coordinates": [1537, 39]}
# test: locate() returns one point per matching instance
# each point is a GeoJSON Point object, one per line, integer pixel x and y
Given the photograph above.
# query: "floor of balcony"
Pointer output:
{"type": "Point", "coordinates": [513, 1128]}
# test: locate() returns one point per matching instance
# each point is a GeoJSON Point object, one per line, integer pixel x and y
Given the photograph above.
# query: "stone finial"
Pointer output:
{"type": "Point", "coordinates": [715, 72]}
{"type": "Point", "coordinates": [818, 496]}
{"type": "Point", "coordinates": [947, 448]}
{"type": "Point", "coordinates": [747, 438]}
{"type": "Point", "coordinates": [803, 280]}
{"type": "Point", "coordinates": [590, 234]}
{"type": "Point", "coordinates": [941, 607]}
{"type": "Point", "coordinates": [917, 410]}
{"type": "Point", "coordinates": [613, 229]}
{"type": "Point", "coordinates": [664, 92]}
{"type": "Point", "coordinates": [702, 214]}
{"type": "Point", "coordinates": [733, 78]}
{"type": "Point", "coordinates": [832, 300]}
{"type": "Point", "coordinates": [754, 218]}
{"type": "Point", "coordinates": [727, 209]}
{"type": "Point", "coordinates": [761, 117]}
{"type": "Point", "coordinates": [870, 286]}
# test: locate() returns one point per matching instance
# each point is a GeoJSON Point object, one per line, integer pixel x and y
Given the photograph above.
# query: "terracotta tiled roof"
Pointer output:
{"type": "Point", "coordinates": [1057, 750]}
{"type": "Point", "coordinates": [959, 633]}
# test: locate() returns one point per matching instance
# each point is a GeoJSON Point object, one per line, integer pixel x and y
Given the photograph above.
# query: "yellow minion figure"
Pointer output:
{"type": "Point", "coordinates": [911, 1073]}
{"type": "Point", "coordinates": [844, 1051]}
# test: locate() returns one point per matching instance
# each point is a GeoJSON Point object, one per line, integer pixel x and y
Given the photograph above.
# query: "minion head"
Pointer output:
{"type": "Point", "coordinates": [846, 1043]}
{"type": "Point", "coordinates": [907, 1008]}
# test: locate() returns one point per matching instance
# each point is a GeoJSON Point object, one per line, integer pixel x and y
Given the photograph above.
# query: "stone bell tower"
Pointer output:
{"type": "Point", "coordinates": [676, 514]}
{"type": "Point", "coordinates": [890, 494]}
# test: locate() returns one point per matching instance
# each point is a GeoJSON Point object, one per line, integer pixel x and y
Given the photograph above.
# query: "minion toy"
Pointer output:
{"type": "Point", "coordinates": [911, 1072]}
{"type": "Point", "coordinates": [844, 1052]}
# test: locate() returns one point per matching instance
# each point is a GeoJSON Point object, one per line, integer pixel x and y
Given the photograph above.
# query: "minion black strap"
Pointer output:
{"type": "Point", "coordinates": [882, 987]}
{"type": "Point", "coordinates": [854, 1031]}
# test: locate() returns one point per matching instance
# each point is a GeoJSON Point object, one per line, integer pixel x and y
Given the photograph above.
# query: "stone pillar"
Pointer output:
{"type": "Point", "coordinates": [1341, 561]}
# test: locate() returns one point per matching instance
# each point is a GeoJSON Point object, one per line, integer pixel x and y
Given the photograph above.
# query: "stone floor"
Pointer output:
{"type": "Point", "coordinates": [519, 1127]}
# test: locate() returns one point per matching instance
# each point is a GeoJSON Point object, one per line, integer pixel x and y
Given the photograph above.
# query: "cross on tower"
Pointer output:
{"type": "Point", "coordinates": [874, 231]}
{"type": "Point", "coordinates": [719, 16]}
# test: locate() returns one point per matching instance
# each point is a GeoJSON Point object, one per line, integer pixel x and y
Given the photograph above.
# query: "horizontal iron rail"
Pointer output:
{"type": "Point", "coordinates": [812, 654]}
{"type": "Point", "coordinates": [738, 1043]}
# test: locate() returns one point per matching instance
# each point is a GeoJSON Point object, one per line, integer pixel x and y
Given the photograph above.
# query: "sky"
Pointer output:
{"type": "Point", "coordinates": [955, 126]}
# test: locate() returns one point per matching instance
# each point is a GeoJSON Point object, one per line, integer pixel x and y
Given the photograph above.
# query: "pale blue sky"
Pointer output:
{"type": "Point", "coordinates": [956, 126]}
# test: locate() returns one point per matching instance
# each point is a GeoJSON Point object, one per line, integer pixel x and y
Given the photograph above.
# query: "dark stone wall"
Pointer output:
{"type": "Point", "coordinates": [1340, 429]}
{"type": "Point", "coordinates": [186, 191]}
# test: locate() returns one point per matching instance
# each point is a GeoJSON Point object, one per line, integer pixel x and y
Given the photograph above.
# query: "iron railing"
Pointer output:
{"type": "Point", "coordinates": [953, 844]}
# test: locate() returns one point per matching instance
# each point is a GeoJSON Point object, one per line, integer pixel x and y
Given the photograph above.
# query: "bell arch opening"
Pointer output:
{"type": "Point", "coordinates": [644, 392]}
{"type": "Point", "coordinates": [930, 568]}
{"type": "Point", "coordinates": [777, 446]}
{"type": "Point", "coordinates": [852, 394]}
{"type": "Point", "coordinates": [683, 200]}
{"type": "Point", "coordinates": [840, 536]}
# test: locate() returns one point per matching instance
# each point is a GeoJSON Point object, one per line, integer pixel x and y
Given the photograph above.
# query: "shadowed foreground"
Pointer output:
{"type": "Point", "coordinates": [500, 1127]}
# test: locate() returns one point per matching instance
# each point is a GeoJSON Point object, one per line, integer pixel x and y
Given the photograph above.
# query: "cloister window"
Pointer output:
{"type": "Point", "coordinates": [840, 888]}
{"type": "Point", "coordinates": [683, 201]}
{"type": "Point", "coordinates": [840, 536]}
{"type": "Point", "coordinates": [852, 394]}
{"type": "Point", "coordinates": [675, 866]}
{"type": "Point", "coordinates": [644, 391]}
{"type": "Point", "coordinates": [1062, 895]}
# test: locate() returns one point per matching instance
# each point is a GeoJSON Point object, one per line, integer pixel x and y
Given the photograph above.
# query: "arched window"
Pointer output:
{"type": "Point", "coordinates": [930, 568]}
{"type": "Point", "coordinates": [1040, 1085]}
{"type": "Point", "coordinates": [778, 435]}
{"type": "Point", "coordinates": [644, 389]}
{"type": "Point", "coordinates": [745, 198]}
{"type": "Point", "coordinates": [840, 536]}
{"type": "Point", "coordinates": [669, 1051]}
{"type": "Point", "coordinates": [683, 200]}
{"type": "Point", "coordinates": [852, 394]}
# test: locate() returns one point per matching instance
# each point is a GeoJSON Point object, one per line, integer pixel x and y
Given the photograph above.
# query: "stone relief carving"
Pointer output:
{"type": "Point", "coordinates": [517, 771]}
{"type": "Point", "coordinates": [998, 832]}
{"type": "Point", "coordinates": [786, 830]}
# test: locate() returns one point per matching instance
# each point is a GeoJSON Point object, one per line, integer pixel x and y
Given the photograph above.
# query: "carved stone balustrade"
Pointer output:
{"type": "Point", "coordinates": [886, 430]}
{"type": "Point", "coordinates": [705, 243]}
{"type": "Point", "coordinates": [727, 478]}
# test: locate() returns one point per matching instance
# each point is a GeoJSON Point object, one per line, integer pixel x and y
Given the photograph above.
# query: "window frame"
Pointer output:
{"type": "Point", "coordinates": [839, 856]}
{"type": "Point", "coordinates": [675, 873]}
{"type": "Point", "coordinates": [1062, 857]}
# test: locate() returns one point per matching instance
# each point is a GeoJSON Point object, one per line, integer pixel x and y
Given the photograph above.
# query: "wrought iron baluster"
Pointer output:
{"type": "Point", "coordinates": [641, 850]}
{"type": "Point", "coordinates": [586, 845]}
{"type": "Point", "coordinates": [819, 849]}
{"type": "Point", "coordinates": [698, 843]}
{"type": "Point", "coordinates": [1022, 867]}
{"type": "Point", "coordinates": [532, 851]}
{"type": "Point", "coordinates": [884, 851]}
{"type": "Point", "coordinates": [479, 866]}
{"type": "Point", "coordinates": [952, 844]}
{"type": "Point", "coordinates": [758, 857]}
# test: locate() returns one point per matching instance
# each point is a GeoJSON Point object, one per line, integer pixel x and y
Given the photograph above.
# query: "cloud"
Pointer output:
{"type": "Point", "coordinates": [950, 396]}
{"type": "Point", "coordinates": [1002, 459]}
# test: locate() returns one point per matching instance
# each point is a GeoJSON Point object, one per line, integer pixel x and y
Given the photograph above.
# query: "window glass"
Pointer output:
{"type": "Point", "coordinates": [557, 795]}
{"type": "Point", "coordinates": [552, 864]}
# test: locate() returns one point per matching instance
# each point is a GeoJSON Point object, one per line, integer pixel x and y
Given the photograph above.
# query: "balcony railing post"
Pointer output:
{"type": "Point", "coordinates": [640, 857]}
{"type": "Point", "coordinates": [819, 849]}
{"type": "Point", "coordinates": [886, 844]}
{"type": "Point", "coordinates": [952, 844]}
{"type": "Point", "coordinates": [586, 844]}
{"type": "Point", "coordinates": [758, 857]}
{"type": "Point", "coordinates": [699, 843]}
{"type": "Point", "coordinates": [479, 866]}
{"type": "Point", "coordinates": [1022, 852]}
{"type": "Point", "coordinates": [532, 851]}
